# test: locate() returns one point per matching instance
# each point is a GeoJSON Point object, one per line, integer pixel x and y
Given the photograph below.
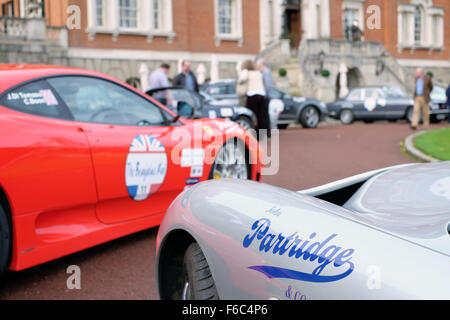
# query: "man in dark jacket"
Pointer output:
{"type": "Point", "coordinates": [186, 78]}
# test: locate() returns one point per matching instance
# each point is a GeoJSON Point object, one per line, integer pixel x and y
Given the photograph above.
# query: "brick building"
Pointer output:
{"type": "Point", "coordinates": [123, 37]}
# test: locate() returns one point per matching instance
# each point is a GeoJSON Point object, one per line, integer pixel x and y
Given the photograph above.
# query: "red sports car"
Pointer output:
{"type": "Point", "coordinates": [85, 159]}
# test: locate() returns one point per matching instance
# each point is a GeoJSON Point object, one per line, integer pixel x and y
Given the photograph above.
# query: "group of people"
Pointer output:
{"type": "Point", "coordinates": [159, 79]}
{"type": "Point", "coordinates": [253, 88]}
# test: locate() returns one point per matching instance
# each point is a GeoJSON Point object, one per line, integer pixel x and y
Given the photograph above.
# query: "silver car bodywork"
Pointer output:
{"type": "Point", "coordinates": [387, 239]}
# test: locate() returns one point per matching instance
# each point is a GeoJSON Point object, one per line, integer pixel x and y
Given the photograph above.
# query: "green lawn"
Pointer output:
{"type": "Point", "coordinates": [435, 143]}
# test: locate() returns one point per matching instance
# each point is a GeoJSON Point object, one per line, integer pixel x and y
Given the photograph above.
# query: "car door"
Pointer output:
{"type": "Point", "coordinates": [374, 104]}
{"type": "Point", "coordinates": [396, 102]}
{"type": "Point", "coordinates": [45, 159]}
{"type": "Point", "coordinates": [355, 102]}
{"type": "Point", "coordinates": [131, 143]}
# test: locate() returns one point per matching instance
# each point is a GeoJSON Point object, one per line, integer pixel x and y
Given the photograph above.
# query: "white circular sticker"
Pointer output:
{"type": "Point", "coordinates": [370, 104]}
{"type": "Point", "coordinates": [146, 167]}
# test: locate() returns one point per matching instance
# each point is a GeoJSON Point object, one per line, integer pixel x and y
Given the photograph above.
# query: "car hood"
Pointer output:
{"type": "Point", "coordinates": [412, 202]}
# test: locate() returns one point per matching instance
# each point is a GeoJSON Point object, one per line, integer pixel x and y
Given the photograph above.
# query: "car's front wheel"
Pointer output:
{"type": "Point", "coordinates": [198, 281]}
{"type": "Point", "coordinates": [346, 116]}
{"type": "Point", "coordinates": [310, 117]}
{"type": "Point", "coordinates": [231, 162]}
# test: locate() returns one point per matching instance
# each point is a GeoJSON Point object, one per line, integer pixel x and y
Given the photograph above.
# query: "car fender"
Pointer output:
{"type": "Point", "coordinates": [238, 224]}
{"type": "Point", "coordinates": [317, 104]}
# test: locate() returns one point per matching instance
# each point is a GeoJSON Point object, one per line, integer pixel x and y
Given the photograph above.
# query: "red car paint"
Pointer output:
{"type": "Point", "coordinates": [64, 180]}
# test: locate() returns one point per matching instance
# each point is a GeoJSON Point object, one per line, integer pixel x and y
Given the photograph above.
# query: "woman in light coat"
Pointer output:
{"type": "Point", "coordinates": [250, 82]}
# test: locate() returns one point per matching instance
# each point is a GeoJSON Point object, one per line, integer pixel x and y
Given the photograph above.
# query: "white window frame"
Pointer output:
{"type": "Point", "coordinates": [358, 6]}
{"type": "Point", "coordinates": [236, 24]}
{"type": "Point", "coordinates": [431, 38]}
{"type": "Point", "coordinates": [145, 21]}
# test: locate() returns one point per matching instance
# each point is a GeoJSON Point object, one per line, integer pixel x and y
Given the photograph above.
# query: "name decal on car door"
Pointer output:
{"type": "Point", "coordinates": [317, 255]}
{"type": "Point", "coordinates": [146, 167]}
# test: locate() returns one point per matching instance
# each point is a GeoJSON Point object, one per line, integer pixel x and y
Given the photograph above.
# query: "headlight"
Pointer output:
{"type": "Point", "coordinates": [434, 106]}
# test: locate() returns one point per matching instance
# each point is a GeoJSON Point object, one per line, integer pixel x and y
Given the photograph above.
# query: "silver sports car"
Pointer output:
{"type": "Point", "coordinates": [383, 234]}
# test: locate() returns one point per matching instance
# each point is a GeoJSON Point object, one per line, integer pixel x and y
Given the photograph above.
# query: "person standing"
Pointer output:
{"type": "Point", "coordinates": [268, 85]}
{"type": "Point", "coordinates": [256, 94]}
{"type": "Point", "coordinates": [357, 33]}
{"type": "Point", "coordinates": [186, 78]}
{"type": "Point", "coordinates": [158, 79]}
{"type": "Point", "coordinates": [422, 98]}
{"type": "Point", "coordinates": [448, 102]}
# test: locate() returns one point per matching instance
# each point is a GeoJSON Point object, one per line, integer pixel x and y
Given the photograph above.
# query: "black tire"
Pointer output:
{"type": "Point", "coordinates": [283, 126]}
{"type": "Point", "coordinates": [346, 116]}
{"type": "Point", "coordinates": [199, 283]}
{"type": "Point", "coordinates": [368, 121]}
{"type": "Point", "coordinates": [5, 240]}
{"type": "Point", "coordinates": [310, 117]}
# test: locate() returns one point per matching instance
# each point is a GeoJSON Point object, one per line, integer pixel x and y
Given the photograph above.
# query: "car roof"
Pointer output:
{"type": "Point", "coordinates": [222, 81]}
{"type": "Point", "coordinates": [376, 87]}
{"type": "Point", "coordinates": [15, 74]}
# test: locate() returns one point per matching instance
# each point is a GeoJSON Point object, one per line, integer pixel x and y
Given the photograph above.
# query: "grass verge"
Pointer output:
{"type": "Point", "coordinates": [435, 143]}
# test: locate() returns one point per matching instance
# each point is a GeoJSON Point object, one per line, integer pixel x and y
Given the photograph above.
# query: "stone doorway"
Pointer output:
{"type": "Point", "coordinates": [352, 79]}
{"type": "Point", "coordinates": [293, 23]}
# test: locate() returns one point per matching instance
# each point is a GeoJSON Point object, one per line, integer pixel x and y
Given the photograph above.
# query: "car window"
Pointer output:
{"type": "Point", "coordinates": [231, 88]}
{"type": "Point", "coordinates": [36, 98]}
{"type": "Point", "coordinates": [438, 93]}
{"type": "Point", "coordinates": [218, 89]}
{"type": "Point", "coordinates": [100, 101]}
{"type": "Point", "coordinates": [394, 92]}
{"type": "Point", "coordinates": [372, 94]}
{"type": "Point", "coordinates": [178, 95]}
{"type": "Point", "coordinates": [355, 95]}
{"type": "Point", "coordinates": [276, 94]}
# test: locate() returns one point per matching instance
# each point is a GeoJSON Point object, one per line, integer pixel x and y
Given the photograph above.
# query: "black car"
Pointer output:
{"type": "Point", "coordinates": [307, 112]}
{"type": "Point", "coordinates": [377, 103]}
{"type": "Point", "coordinates": [207, 107]}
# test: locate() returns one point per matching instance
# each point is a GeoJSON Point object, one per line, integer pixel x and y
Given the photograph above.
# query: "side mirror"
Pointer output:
{"type": "Point", "coordinates": [184, 110]}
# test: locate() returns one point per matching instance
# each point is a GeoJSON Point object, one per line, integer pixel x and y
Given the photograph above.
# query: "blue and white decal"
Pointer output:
{"type": "Point", "coordinates": [315, 254]}
{"type": "Point", "coordinates": [146, 167]}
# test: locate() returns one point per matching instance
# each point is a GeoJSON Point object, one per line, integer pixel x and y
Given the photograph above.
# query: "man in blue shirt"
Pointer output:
{"type": "Point", "coordinates": [158, 79]}
{"type": "Point", "coordinates": [422, 98]}
{"type": "Point", "coordinates": [186, 78]}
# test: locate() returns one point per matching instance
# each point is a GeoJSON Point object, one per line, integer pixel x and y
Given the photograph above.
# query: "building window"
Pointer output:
{"type": "Point", "coordinates": [147, 18]}
{"type": "Point", "coordinates": [156, 14]}
{"type": "Point", "coordinates": [128, 11]}
{"type": "Point", "coordinates": [418, 25]}
{"type": "Point", "coordinates": [99, 13]}
{"type": "Point", "coordinates": [225, 17]}
{"type": "Point", "coordinates": [228, 17]}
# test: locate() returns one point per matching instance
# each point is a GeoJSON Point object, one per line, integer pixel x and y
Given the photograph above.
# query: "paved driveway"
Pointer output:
{"type": "Point", "coordinates": [124, 269]}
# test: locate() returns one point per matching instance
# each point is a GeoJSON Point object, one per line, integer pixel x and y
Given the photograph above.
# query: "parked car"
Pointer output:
{"type": "Point", "coordinates": [307, 112]}
{"type": "Point", "coordinates": [439, 110]}
{"type": "Point", "coordinates": [376, 103]}
{"type": "Point", "coordinates": [206, 106]}
{"type": "Point", "coordinates": [383, 234]}
{"type": "Point", "coordinates": [85, 159]}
